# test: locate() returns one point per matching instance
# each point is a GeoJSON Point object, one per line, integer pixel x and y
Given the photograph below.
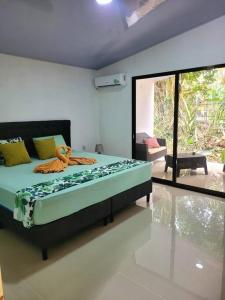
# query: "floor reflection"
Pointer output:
{"type": "Point", "coordinates": [186, 244]}
{"type": "Point", "coordinates": [171, 249]}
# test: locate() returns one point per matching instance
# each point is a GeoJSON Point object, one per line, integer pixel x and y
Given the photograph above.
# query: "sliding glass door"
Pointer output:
{"type": "Point", "coordinates": [201, 133]}
{"type": "Point", "coordinates": [154, 122]}
{"type": "Point", "coordinates": [179, 126]}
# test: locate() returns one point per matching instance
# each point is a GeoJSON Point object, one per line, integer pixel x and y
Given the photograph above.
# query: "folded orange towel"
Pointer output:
{"type": "Point", "coordinates": [63, 161]}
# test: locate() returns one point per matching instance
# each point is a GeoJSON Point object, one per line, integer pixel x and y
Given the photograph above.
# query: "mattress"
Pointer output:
{"type": "Point", "coordinates": [73, 199]}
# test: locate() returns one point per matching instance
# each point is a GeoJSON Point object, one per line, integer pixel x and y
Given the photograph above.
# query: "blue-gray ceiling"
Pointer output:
{"type": "Point", "coordinates": [82, 33]}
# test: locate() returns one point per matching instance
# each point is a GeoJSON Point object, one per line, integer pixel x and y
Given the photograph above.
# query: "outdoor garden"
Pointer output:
{"type": "Point", "coordinates": [201, 123]}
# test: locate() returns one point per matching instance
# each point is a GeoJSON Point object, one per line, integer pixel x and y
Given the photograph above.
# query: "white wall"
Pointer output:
{"type": "Point", "coordinates": [145, 106]}
{"type": "Point", "coordinates": [36, 90]}
{"type": "Point", "coordinates": [201, 46]}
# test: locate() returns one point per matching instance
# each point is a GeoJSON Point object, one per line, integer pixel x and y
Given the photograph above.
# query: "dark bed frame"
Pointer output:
{"type": "Point", "coordinates": [45, 236]}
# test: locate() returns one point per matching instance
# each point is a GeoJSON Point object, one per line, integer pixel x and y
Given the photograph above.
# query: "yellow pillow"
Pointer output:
{"type": "Point", "coordinates": [45, 148]}
{"type": "Point", "coordinates": [15, 154]}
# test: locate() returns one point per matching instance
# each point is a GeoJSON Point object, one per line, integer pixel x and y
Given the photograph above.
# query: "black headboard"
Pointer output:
{"type": "Point", "coordinates": [28, 130]}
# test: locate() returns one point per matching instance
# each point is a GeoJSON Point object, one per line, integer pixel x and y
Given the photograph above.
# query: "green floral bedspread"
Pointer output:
{"type": "Point", "coordinates": [26, 198]}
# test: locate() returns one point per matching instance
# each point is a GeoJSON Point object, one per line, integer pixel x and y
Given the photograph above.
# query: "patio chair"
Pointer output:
{"type": "Point", "coordinates": [149, 154]}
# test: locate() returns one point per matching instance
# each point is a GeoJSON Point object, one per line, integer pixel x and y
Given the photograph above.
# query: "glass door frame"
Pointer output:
{"type": "Point", "coordinates": [177, 74]}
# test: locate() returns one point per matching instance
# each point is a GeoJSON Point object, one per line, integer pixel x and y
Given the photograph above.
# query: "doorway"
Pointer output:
{"type": "Point", "coordinates": [179, 126]}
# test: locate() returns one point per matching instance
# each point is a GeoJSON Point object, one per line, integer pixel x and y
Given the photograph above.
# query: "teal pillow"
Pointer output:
{"type": "Point", "coordinates": [59, 139]}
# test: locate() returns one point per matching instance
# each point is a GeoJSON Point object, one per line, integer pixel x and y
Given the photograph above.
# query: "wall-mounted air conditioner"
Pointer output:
{"type": "Point", "coordinates": [111, 80]}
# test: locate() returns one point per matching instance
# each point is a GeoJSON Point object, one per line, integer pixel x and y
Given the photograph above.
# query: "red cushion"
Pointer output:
{"type": "Point", "coordinates": [151, 142]}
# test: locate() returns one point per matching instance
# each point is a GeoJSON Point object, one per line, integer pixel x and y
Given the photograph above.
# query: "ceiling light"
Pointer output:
{"type": "Point", "coordinates": [199, 266]}
{"type": "Point", "coordinates": [103, 2]}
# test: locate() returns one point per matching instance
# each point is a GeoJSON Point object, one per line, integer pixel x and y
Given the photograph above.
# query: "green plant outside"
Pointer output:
{"type": "Point", "coordinates": [201, 112]}
{"type": "Point", "coordinates": [223, 156]}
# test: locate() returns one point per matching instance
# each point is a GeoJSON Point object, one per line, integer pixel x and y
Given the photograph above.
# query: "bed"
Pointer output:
{"type": "Point", "coordinates": [65, 213]}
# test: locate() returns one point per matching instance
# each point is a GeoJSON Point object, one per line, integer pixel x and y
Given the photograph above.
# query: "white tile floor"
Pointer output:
{"type": "Point", "coordinates": [171, 250]}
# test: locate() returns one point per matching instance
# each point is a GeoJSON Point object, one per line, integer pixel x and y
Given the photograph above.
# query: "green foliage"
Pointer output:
{"type": "Point", "coordinates": [163, 110]}
{"type": "Point", "coordinates": [223, 156]}
{"type": "Point", "coordinates": [201, 112]}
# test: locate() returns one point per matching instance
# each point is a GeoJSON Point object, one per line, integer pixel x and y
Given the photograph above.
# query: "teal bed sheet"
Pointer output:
{"type": "Point", "coordinates": [71, 200]}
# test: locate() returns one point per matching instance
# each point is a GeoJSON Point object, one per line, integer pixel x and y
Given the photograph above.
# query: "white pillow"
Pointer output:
{"type": "Point", "coordinates": [11, 141]}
